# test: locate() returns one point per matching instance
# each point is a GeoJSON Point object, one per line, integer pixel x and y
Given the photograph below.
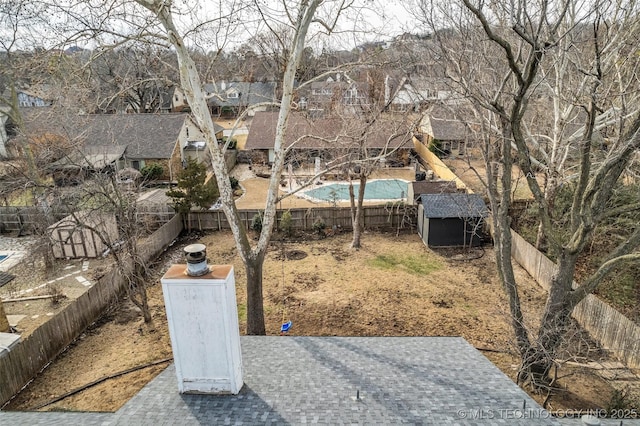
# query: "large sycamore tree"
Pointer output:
{"type": "Point", "coordinates": [299, 16]}
{"type": "Point", "coordinates": [529, 69]}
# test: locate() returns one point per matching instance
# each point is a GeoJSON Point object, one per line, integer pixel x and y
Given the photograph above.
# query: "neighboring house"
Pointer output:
{"type": "Point", "coordinates": [336, 93]}
{"type": "Point", "coordinates": [417, 93]}
{"type": "Point", "coordinates": [147, 138]}
{"type": "Point", "coordinates": [452, 135]}
{"type": "Point", "coordinates": [76, 165]}
{"type": "Point", "coordinates": [179, 101]}
{"type": "Point", "coordinates": [235, 97]}
{"type": "Point", "coordinates": [418, 188]}
{"type": "Point", "coordinates": [33, 98]}
{"type": "Point", "coordinates": [329, 138]}
{"type": "Point", "coordinates": [451, 220]}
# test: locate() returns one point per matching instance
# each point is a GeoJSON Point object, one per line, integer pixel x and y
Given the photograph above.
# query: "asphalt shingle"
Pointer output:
{"type": "Point", "coordinates": [302, 380]}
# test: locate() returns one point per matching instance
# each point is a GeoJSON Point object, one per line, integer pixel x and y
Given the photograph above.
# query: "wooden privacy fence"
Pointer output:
{"type": "Point", "coordinates": [28, 218]}
{"type": "Point", "coordinates": [22, 218]}
{"type": "Point", "coordinates": [612, 329]}
{"type": "Point", "coordinates": [30, 355]}
{"type": "Point", "coordinates": [375, 217]}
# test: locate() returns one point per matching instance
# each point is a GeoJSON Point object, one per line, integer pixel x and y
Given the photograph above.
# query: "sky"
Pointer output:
{"type": "Point", "coordinates": [369, 20]}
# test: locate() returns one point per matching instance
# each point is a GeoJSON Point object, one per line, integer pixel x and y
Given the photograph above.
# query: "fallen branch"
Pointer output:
{"type": "Point", "coordinates": [498, 351]}
{"type": "Point", "coordinates": [100, 380]}
{"type": "Point", "coordinates": [24, 299]}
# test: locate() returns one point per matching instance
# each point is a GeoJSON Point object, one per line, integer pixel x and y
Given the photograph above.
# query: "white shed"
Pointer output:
{"type": "Point", "coordinates": [73, 237]}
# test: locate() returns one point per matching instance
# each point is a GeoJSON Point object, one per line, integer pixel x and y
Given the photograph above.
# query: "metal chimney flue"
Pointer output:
{"type": "Point", "coordinates": [196, 256]}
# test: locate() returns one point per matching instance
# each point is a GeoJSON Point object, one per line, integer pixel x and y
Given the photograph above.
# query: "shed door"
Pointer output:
{"type": "Point", "coordinates": [446, 232]}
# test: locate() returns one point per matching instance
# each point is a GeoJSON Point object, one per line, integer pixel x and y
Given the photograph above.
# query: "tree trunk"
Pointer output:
{"type": "Point", "coordinates": [553, 326]}
{"type": "Point", "coordinates": [540, 237]}
{"type": "Point", "coordinates": [357, 212]}
{"type": "Point", "coordinates": [4, 323]}
{"type": "Point", "coordinates": [255, 310]}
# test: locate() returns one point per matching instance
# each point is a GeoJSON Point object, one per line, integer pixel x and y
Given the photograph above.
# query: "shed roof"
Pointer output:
{"type": "Point", "coordinates": [328, 133]}
{"type": "Point", "coordinates": [458, 205]}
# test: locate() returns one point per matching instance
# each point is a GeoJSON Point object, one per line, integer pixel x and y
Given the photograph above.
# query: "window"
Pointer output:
{"type": "Point", "coordinates": [135, 164]}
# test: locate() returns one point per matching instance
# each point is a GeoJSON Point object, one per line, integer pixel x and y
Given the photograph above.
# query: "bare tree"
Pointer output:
{"type": "Point", "coordinates": [300, 17]}
{"type": "Point", "coordinates": [107, 206]}
{"type": "Point", "coordinates": [365, 156]}
{"type": "Point", "coordinates": [515, 49]}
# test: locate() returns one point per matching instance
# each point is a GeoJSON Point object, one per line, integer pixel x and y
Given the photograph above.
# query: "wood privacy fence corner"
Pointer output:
{"type": "Point", "coordinates": [613, 330]}
{"type": "Point", "coordinates": [32, 354]}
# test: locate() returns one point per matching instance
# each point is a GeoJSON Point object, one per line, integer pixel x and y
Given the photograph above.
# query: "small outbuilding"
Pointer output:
{"type": "Point", "coordinates": [76, 236]}
{"type": "Point", "coordinates": [451, 220]}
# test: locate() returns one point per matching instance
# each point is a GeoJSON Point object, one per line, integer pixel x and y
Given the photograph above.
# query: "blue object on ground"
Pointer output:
{"type": "Point", "coordinates": [285, 327]}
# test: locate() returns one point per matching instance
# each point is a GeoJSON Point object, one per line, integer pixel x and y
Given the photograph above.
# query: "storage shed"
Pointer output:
{"type": "Point", "coordinates": [70, 239]}
{"type": "Point", "coordinates": [451, 220]}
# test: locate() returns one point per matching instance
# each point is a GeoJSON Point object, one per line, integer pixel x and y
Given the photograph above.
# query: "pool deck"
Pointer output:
{"type": "Point", "coordinates": [256, 191]}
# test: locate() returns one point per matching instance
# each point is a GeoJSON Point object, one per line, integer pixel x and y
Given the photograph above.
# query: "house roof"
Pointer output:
{"type": "Point", "coordinates": [447, 130]}
{"type": "Point", "coordinates": [146, 136]}
{"type": "Point", "coordinates": [328, 133]}
{"type": "Point", "coordinates": [299, 380]}
{"type": "Point", "coordinates": [248, 93]}
{"type": "Point", "coordinates": [93, 157]}
{"type": "Point", "coordinates": [458, 205]}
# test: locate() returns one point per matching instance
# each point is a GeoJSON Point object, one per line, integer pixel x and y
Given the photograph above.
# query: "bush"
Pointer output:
{"type": "Point", "coordinates": [235, 183]}
{"type": "Point", "coordinates": [286, 223]}
{"type": "Point", "coordinates": [319, 226]}
{"type": "Point", "coordinates": [233, 143]}
{"type": "Point", "coordinates": [256, 222]}
{"type": "Point", "coordinates": [435, 146]}
{"type": "Point", "coordinates": [151, 172]}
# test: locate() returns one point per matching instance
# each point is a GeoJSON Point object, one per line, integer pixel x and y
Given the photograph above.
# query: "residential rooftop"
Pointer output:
{"type": "Point", "coordinates": [333, 380]}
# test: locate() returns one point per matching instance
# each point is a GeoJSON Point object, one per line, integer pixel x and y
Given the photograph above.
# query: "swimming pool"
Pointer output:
{"type": "Point", "coordinates": [3, 257]}
{"type": "Point", "coordinates": [377, 189]}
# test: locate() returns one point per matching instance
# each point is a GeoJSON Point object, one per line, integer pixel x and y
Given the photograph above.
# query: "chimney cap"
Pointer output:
{"type": "Point", "coordinates": [195, 248]}
{"type": "Point", "coordinates": [196, 256]}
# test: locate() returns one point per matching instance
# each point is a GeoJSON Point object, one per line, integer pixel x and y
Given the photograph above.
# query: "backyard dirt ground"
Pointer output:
{"type": "Point", "coordinates": [393, 286]}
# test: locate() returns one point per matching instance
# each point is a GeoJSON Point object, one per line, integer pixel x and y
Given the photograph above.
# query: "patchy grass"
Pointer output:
{"type": "Point", "coordinates": [413, 264]}
{"type": "Point", "coordinates": [242, 312]}
{"type": "Point", "coordinates": [21, 198]}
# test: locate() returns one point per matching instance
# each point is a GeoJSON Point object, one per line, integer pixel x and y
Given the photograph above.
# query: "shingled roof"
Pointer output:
{"type": "Point", "coordinates": [146, 136]}
{"type": "Point", "coordinates": [326, 133]}
{"type": "Point", "coordinates": [247, 93]}
{"type": "Point", "coordinates": [442, 206]}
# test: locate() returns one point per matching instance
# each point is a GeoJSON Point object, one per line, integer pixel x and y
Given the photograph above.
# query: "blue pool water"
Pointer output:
{"type": "Point", "coordinates": [379, 189]}
{"type": "Point", "coordinates": [3, 257]}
